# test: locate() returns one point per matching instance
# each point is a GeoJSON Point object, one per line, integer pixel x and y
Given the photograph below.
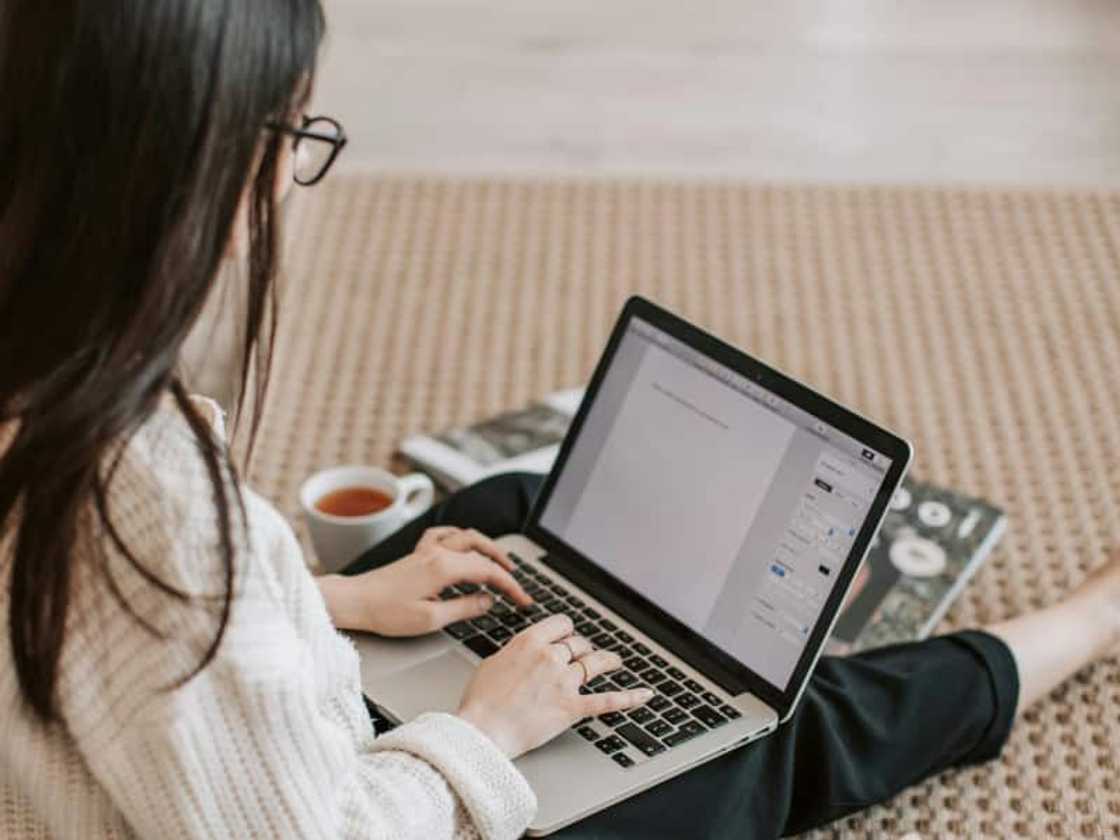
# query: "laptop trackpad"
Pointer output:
{"type": "Point", "coordinates": [434, 685]}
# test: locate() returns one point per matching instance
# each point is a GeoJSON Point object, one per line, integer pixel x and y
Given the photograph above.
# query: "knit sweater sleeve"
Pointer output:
{"type": "Point", "coordinates": [270, 739]}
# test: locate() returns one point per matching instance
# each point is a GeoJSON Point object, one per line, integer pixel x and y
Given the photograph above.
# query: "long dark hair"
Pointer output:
{"type": "Point", "coordinates": [129, 132]}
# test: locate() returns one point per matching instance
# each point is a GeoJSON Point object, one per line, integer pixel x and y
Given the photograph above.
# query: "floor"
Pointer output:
{"type": "Point", "coordinates": [911, 91]}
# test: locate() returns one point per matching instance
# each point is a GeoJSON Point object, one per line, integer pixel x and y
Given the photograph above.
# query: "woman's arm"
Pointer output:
{"type": "Point", "coordinates": [402, 599]}
{"type": "Point", "coordinates": [271, 738]}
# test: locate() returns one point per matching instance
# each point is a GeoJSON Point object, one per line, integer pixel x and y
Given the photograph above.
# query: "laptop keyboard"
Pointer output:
{"type": "Point", "coordinates": [681, 708]}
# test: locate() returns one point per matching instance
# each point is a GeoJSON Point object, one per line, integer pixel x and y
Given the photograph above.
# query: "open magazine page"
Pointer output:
{"type": "Point", "coordinates": [526, 439]}
{"type": "Point", "coordinates": [931, 542]}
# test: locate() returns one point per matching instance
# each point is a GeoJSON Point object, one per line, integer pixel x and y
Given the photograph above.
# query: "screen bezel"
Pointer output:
{"type": "Point", "coordinates": [715, 663]}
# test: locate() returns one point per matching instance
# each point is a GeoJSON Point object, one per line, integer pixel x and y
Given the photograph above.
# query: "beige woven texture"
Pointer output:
{"type": "Point", "coordinates": [982, 325]}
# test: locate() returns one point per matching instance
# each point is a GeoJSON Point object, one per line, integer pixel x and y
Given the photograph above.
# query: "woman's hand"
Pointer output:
{"type": "Point", "coordinates": [528, 692]}
{"type": "Point", "coordinates": [402, 599]}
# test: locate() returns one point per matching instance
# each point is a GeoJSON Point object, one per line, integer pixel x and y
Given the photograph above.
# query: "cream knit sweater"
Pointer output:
{"type": "Point", "coordinates": [270, 740]}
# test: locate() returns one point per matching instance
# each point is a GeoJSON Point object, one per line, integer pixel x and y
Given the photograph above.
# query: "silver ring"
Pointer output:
{"type": "Point", "coordinates": [568, 648]}
{"type": "Point", "coordinates": [583, 667]}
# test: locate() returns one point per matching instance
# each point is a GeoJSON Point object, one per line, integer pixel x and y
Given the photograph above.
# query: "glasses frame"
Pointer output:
{"type": "Point", "coordinates": [337, 141]}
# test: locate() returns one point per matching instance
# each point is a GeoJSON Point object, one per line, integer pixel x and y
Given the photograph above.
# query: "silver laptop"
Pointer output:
{"type": "Point", "coordinates": [704, 518]}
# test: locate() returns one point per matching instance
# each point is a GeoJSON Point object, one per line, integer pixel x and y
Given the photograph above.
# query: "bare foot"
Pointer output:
{"type": "Point", "coordinates": [1100, 594]}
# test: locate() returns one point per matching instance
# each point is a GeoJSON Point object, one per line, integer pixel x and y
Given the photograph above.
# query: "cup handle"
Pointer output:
{"type": "Point", "coordinates": [420, 486]}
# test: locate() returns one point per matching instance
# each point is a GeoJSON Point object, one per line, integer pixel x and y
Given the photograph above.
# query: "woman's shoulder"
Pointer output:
{"type": "Point", "coordinates": [163, 507]}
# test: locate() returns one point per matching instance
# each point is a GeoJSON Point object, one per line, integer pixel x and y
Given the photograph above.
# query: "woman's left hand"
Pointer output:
{"type": "Point", "coordinates": [402, 599]}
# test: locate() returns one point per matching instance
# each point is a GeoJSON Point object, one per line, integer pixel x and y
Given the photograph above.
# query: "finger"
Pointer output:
{"type": "Point", "coordinates": [459, 609]}
{"type": "Point", "coordinates": [475, 568]}
{"type": "Point", "coordinates": [552, 629]}
{"type": "Point", "coordinates": [578, 646]}
{"type": "Point", "coordinates": [599, 662]}
{"type": "Point", "coordinates": [472, 540]}
{"type": "Point", "coordinates": [569, 649]}
{"type": "Point", "coordinates": [593, 705]}
{"type": "Point", "coordinates": [433, 536]}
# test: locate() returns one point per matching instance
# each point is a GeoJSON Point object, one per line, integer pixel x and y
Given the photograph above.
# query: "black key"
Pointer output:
{"type": "Point", "coordinates": [447, 594]}
{"type": "Point", "coordinates": [603, 688]}
{"type": "Point", "coordinates": [711, 698]}
{"type": "Point", "coordinates": [601, 641]}
{"type": "Point", "coordinates": [659, 728]}
{"type": "Point", "coordinates": [517, 561]}
{"type": "Point", "coordinates": [678, 738]}
{"type": "Point", "coordinates": [640, 738]}
{"type": "Point", "coordinates": [652, 675]}
{"type": "Point", "coordinates": [708, 716]}
{"type": "Point", "coordinates": [611, 744]}
{"type": "Point", "coordinates": [518, 625]}
{"type": "Point", "coordinates": [622, 759]}
{"type": "Point", "coordinates": [621, 649]}
{"type": "Point", "coordinates": [591, 613]}
{"type": "Point", "coordinates": [521, 576]}
{"type": "Point", "coordinates": [730, 711]}
{"type": "Point", "coordinates": [669, 688]}
{"type": "Point", "coordinates": [556, 606]}
{"type": "Point", "coordinates": [459, 630]}
{"type": "Point", "coordinates": [510, 619]}
{"type": "Point", "coordinates": [557, 589]}
{"type": "Point", "coordinates": [608, 624]}
{"type": "Point", "coordinates": [687, 701]}
{"type": "Point", "coordinates": [658, 661]}
{"type": "Point", "coordinates": [587, 628]}
{"type": "Point", "coordinates": [485, 622]}
{"type": "Point", "coordinates": [533, 591]}
{"type": "Point", "coordinates": [659, 702]}
{"type": "Point", "coordinates": [692, 685]}
{"type": "Point", "coordinates": [599, 680]}
{"type": "Point", "coordinates": [623, 636]}
{"type": "Point", "coordinates": [501, 608]}
{"type": "Point", "coordinates": [532, 610]}
{"type": "Point", "coordinates": [641, 715]}
{"type": "Point", "coordinates": [613, 718]}
{"type": "Point", "coordinates": [693, 727]}
{"type": "Point", "coordinates": [468, 588]}
{"type": "Point", "coordinates": [677, 674]}
{"type": "Point", "coordinates": [675, 715]}
{"type": "Point", "coordinates": [588, 733]}
{"type": "Point", "coordinates": [624, 678]}
{"type": "Point", "coordinates": [641, 649]}
{"type": "Point", "coordinates": [575, 602]}
{"type": "Point", "coordinates": [481, 645]}
{"type": "Point", "coordinates": [635, 663]}
{"type": "Point", "coordinates": [500, 634]}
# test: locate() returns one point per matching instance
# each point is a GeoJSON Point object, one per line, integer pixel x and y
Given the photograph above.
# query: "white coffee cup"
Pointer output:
{"type": "Point", "coordinates": [340, 539]}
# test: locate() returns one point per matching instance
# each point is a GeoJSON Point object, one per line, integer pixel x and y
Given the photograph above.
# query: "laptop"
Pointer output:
{"type": "Point", "coordinates": [704, 518]}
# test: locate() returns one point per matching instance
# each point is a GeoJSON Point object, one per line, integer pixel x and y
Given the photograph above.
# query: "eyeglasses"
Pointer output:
{"type": "Point", "coordinates": [318, 141]}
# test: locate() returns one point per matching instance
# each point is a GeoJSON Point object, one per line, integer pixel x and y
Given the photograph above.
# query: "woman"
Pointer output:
{"type": "Point", "coordinates": [170, 668]}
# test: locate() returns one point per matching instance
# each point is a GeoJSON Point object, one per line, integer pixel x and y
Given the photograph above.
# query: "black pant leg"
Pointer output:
{"type": "Point", "coordinates": [496, 506]}
{"type": "Point", "coordinates": [868, 727]}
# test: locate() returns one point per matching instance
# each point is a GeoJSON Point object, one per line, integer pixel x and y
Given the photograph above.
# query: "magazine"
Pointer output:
{"type": "Point", "coordinates": [930, 544]}
{"type": "Point", "coordinates": [526, 439]}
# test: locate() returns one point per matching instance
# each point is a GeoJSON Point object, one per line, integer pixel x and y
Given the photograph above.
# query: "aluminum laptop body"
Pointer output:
{"type": "Point", "coordinates": [705, 517]}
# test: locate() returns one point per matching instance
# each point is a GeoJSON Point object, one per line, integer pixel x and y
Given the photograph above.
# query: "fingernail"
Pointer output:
{"type": "Point", "coordinates": [487, 601]}
{"type": "Point", "coordinates": [645, 694]}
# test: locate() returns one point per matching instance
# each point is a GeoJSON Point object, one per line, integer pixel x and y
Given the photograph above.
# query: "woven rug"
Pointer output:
{"type": "Point", "coordinates": [982, 325]}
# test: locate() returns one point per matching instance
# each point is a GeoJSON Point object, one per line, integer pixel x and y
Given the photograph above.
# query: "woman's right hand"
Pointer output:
{"type": "Point", "coordinates": [528, 692]}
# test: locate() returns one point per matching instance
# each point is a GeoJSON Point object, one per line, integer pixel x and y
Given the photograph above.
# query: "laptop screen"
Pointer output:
{"type": "Point", "coordinates": [728, 507]}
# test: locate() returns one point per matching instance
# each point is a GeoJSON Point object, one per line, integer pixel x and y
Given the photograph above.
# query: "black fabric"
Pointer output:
{"type": "Point", "coordinates": [867, 727]}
